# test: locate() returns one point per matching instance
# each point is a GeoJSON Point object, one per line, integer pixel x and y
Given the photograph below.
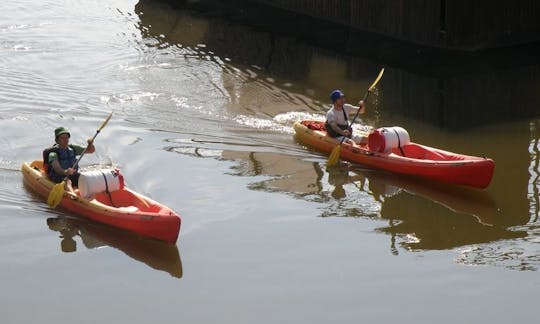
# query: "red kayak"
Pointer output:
{"type": "Point", "coordinates": [395, 153]}
{"type": "Point", "coordinates": [124, 208]}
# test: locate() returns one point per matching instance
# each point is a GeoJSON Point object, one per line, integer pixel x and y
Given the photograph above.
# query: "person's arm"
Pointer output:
{"type": "Point", "coordinates": [338, 130]}
{"type": "Point", "coordinates": [91, 148]}
{"type": "Point", "coordinates": [80, 149]}
{"type": "Point", "coordinates": [59, 170]}
{"type": "Point", "coordinates": [351, 110]}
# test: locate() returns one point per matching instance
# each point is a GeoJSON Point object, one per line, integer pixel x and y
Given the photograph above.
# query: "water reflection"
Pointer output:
{"type": "Point", "coordinates": [420, 215]}
{"type": "Point", "coordinates": [448, 90]}
{"type": "Point", "coordinates": [437, 215]}
{"type": "Point", "coordinates": [534, 171]}
{"type": "Point", "coordinates": [157, 255]}
{"type": "Point", "coordinates": [255, 82]}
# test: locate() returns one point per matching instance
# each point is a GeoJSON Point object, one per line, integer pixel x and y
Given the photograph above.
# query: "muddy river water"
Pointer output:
{"type": "Point", "coordinates": [203, 112]}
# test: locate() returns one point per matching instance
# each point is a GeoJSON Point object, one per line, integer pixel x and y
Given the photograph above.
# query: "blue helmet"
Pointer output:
{"type": "Point", "coordinates": [336, 94]}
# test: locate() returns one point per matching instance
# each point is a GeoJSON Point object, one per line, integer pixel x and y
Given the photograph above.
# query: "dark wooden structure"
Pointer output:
{"type": "Point", "coordinates": [452, 24]}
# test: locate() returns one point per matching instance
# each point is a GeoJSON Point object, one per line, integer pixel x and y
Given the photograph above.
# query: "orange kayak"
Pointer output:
{"type": "Point", "coordinates": [124, 209]}
{"type": "Point", "coordinates": [412, 159]}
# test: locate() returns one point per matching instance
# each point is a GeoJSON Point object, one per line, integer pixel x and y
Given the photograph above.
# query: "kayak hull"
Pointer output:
{"type": "Point", "coordinates": [418, 160]}
{"type": "Point", "coordinates": [128, 210]}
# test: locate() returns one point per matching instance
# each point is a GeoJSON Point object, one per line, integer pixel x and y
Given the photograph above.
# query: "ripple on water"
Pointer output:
{"type": "Point", "coordinates": [519, 254]}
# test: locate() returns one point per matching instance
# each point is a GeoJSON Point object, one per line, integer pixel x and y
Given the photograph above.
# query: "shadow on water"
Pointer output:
{"type": "Point", "coordinates": [498, 226]}
{"type": "Point", "coordinates": [157, 255]}
{"type": "Point", "coordinates": [439, 216]}
{"type": "Point", "coordinates": [451, 90]}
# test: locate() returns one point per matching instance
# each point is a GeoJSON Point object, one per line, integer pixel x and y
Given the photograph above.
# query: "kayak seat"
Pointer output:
{"type": "Point", "coordinates": [125, 199]}
{"type": "Point", "coordinates": [415, 151]}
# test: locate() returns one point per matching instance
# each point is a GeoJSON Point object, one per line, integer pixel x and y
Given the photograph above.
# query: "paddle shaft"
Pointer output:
{"type": "Point", "coordinates": [336, 152]}
{"type": "Point", "coordinates": [364, 99]}
{"type": "Point", "coordinates": [84, 152]}
{"type": "Point", "coordinates": [355, 116]}
{"type": "Point", "coordinates": [92, 141]}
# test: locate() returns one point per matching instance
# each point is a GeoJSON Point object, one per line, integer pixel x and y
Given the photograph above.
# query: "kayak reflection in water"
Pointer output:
{"type": "Point", "coordinates": [339, 177]}
{"type": "Point", "coordinates": [337, 118]}
{"type": "Point", "coordinates": [59, 159]}
{"type": "Point", "coordinates": [157, 255]}
{"type": "Point", "coordinates": [68, 243]}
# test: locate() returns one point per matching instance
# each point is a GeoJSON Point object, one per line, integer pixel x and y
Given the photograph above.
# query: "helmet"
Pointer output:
{"type": "Point", "coordinates": [336, 94]}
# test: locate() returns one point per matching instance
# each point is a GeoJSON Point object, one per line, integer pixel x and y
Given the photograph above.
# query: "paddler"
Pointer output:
{"type": "Point", "coordinates": [337, 118]}
{"type": "Point", "coordinates": [58, 160]}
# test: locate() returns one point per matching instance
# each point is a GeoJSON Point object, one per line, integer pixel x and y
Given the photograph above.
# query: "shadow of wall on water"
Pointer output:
{"type": "Point", "coordinates": [452, 90]}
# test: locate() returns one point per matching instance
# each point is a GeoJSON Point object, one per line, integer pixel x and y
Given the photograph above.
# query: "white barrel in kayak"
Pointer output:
{"type": "Point", "coordinates": [388, 138]}
{"type": "Point", "coordinates": [98, 181]}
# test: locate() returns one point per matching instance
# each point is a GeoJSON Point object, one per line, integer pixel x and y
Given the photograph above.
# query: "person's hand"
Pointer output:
{"type": "Point", "coordinates": [70, 171]}
{"type": "Point", "coordinates": [346, 132]}
{"type": "Point", "coordinates": [362, 106]}
{"type": "Point", "coordinates": [90, 148]}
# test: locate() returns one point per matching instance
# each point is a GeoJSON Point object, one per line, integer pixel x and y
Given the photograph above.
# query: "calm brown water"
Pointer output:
{"type": "Point", "coordinates": [203, 114]}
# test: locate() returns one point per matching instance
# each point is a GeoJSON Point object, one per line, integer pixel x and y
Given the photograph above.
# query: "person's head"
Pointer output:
{"type": "Point", "coordinates": [61, 136]}
{"type": "Point", "coordinates": [338, 98]}
{"type": "Point", "coordinates": [68, 244]}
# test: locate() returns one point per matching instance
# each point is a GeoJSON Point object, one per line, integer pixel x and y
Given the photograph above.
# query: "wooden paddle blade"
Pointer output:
{"type": "Point", "coordinates": [56, 195]}
{"type": "Point", "coordinates": [334, 156]}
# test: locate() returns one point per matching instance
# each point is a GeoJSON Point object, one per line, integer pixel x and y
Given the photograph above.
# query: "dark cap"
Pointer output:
{"type": "Point", "coordinates": [61, 130]}
{"type": "Point", "coordinates": [336, 94]}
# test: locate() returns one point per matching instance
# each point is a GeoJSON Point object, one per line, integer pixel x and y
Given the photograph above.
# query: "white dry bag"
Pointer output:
{"type": "Point", "coordinates": [386, 139]}
{"type": "Point", "coordinates": [98, 181]}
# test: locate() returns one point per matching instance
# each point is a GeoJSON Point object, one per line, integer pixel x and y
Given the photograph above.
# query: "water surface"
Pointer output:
{"type": "Point", "coordinates": [203, 113]}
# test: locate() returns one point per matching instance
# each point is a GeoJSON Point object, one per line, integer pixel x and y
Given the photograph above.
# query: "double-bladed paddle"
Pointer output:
{"type": "Point", "coordinates": [57, 192]}
{"type": "Point", "coordinates": [336, 152]}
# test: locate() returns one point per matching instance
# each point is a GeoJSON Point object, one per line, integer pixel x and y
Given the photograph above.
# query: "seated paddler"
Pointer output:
{"type": "Point", "coordinates": [337, 118]}
{"type": "Point", "coordinates": [59, 159]}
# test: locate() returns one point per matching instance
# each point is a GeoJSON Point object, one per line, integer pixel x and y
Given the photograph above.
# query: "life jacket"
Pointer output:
{"type": "Point", "coordinates": [66, 158]}
{"type": "Point", "coordinates": [332, 133]}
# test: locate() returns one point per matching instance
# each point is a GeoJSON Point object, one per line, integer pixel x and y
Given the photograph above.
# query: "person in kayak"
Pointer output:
{"type": "Point", "coordinates": [58, 160]}
{"type": "Point", "coordinates": [337, 118]}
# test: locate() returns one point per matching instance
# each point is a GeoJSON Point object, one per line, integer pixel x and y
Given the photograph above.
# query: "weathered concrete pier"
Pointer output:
{"type": "Point", "coordinates": [448, 24]}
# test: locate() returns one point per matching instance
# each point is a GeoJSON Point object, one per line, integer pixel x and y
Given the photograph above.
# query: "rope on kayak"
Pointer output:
{"type": "Point", "coordinates": [399, 142]}
{"type": "Point", "coordinates": [107, 188]}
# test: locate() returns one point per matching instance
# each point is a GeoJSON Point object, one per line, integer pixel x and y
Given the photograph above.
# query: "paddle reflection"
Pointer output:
{"type": "Point", "coordinates": [155, 254]}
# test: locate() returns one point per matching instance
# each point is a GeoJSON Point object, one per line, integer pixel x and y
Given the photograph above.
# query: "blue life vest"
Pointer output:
{"type": "Point", "coordinates": [66, 158]}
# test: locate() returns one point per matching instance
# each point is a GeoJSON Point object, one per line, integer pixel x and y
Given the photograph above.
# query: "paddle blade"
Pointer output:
{"type": "Point", "coordinates": [105, 122]}
{"type": "Point", "coordinates": [334, 156]}
{"type": "Point", "coordinates": [374, 84]}
{"type": "Point", "coordinates": [56, 195]}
